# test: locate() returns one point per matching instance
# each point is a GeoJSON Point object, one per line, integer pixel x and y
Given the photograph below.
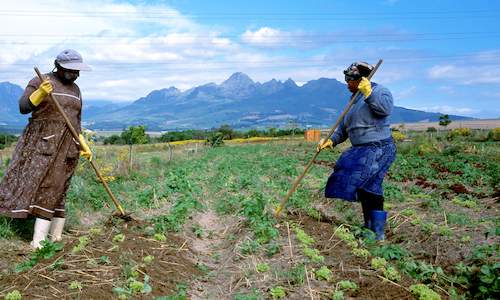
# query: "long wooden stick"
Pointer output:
{"type": "Point", "coordinates": [332, 130]}
{"type": "Point", "coordinates": [75, 136]}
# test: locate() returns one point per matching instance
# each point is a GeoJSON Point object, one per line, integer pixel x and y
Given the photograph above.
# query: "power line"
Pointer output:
{"type": "Point", "coordinates": [473, 58]}
{"type": "Point", "coordinates": [292, 35]}
{"type": "Point", "coordinates": [282, 41]}
{"type": "Point", "coordinates": [262, 16]}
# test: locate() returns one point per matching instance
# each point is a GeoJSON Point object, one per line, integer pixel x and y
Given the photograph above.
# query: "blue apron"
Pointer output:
{"type": "Point", "coordinates": [362, 166]}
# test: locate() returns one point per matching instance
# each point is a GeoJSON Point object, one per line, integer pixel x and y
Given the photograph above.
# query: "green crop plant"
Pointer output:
{"type": "Point", "coordinates": [134, 287]}
{"type": "Point", "coordinates": [148, 259]}
{"type": "Point", "coordinates": [14, 295]}
{"type": "Point", "coordinates": [262, 267]}
{"type": "Point", "coordinates": [303, 237]}
{"type": "Point", "coordinates": [445, 230]}
{"type": "Point", "coordinates": [347, 285]}
{"type": "Point", "coordinates": [119, 238]}
{"type": "Point", "coordinates": [408, 212]}
{"type": "Point", "coordinates": [277, 292]}
{"type": "Point", "coordinates": [75, 285]}
{"type": "Point", "coordinates": [378, 263]}
{"type": "Point", "coordinates": [324, 273]}
{"type": "Point", "coordinates": [344, 234]}
{"type": "Point", "coordinates": [360, 252]}
{"type": "Point", "coordinates": [390, 252]}
{"type": "Point", "coordinates": [313, 254]}
{"type": "Point", "coordinates": [468, 203]}
{"type": "Point", "coordinates": [392, 274]}
{"type": "Point", "coordinates": [94, 231]}
{"type": "Point", "coordinates": [423, 292]}
{"type": "Point", "coordinates": [160, 237]}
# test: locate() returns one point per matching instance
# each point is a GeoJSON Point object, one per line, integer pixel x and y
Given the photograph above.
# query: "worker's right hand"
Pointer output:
{"type": "Point", "coordinates": [324, 144]}
{"type": "Point", "coordinates": [84, 149]}
{"type": "Point", "coordinates": [43, 90]}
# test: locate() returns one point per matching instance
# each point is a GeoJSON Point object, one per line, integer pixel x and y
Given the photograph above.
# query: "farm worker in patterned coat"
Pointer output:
{"type": "Point", "coordinates": [359, 172]}
{"type": "Point", "coordinates": [46, 155]}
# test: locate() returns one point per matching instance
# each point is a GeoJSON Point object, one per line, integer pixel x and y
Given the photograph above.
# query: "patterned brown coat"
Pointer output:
{"type": "Point", "coordinates": [45, 157]}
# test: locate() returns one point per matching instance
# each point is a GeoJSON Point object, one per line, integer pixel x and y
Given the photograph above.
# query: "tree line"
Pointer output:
{"type": "Point", "coordinates": [137, 135]}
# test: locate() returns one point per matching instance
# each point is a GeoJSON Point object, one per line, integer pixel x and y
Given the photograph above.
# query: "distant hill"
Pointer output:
{"type": "Point", "coordinates": [238, 101]}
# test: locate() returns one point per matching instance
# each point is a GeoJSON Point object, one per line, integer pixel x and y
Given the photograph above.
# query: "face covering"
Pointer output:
{"type": "Point", "coordinates": [69, 77]}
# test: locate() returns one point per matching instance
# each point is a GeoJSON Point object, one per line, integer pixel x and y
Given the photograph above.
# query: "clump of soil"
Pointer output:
{"type": "Point", "coordinates": [326, 163]}
{"type": "Point", "coordinates": [421, 181]}
{"type": "Point", "coordinates": [459, 188]}
{"type": "Point", "coordinates": [106, 263]}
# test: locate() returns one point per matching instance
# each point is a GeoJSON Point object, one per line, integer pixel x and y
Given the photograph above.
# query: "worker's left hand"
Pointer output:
{"type": "Point", "coordinates": [85, 149]}
{"type": "Point", "coordinates": [365, 87]}
{"type": "Point", "coordinates": [324, 144]}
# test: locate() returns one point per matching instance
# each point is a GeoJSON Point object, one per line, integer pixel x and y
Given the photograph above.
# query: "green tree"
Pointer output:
{"type": "Point", "coordinates": [444, 120]}
{"type": "Point", "coordinates": [135, 135]}
{"type": "Point", "coordinates": [227, 131]}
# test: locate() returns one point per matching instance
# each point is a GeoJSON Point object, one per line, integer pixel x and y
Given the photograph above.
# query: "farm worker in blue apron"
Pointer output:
{"type": "Point", "coordinates": [359, 172]}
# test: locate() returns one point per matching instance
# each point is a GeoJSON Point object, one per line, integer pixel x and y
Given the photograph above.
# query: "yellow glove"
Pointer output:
{"type": "Point", "coordinates": [85, 152]}
{"type": "Point", "coordinates": [43, 90]}
{"type": "Point", "coordinates": [324, 144]}
{"type": "Point", "coordinates": [365, 87]}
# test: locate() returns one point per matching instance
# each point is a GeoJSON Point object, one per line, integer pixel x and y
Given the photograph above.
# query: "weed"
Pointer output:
{"type": "Point", "coordinates": [47, 251]}
{"type": "Point", "coordinates": [296, 275]}
{"type": "Point", "coordinates": [338, 295]}
{"type": "Point", "coordinates": [180, 293]}
{"type": "Point", "coordinates": [249, 247]}
{"type": "Point", "coordinates": [272, 249]}
{"type": "Point", "coordinates": [197, 230]}
{"type": "Point", "coordinates": [254, 295]}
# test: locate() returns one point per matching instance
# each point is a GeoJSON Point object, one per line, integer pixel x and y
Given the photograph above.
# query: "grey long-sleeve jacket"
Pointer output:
{"type": "Point", "coordinates": [368, 119]}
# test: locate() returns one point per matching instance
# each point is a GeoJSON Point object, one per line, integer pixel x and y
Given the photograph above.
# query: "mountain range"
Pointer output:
{"type": "Point", "coordinates": [238, 101]}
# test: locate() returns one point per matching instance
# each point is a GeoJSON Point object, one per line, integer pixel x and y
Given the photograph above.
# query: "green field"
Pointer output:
{"type": "Point", "coordinates": [205, 227]}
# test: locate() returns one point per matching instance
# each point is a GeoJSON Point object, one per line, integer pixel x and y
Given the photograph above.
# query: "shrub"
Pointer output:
{"type": "Point", "coordinates": [494, 134]}
{"type": "Point", "coordinates": [398, 136]}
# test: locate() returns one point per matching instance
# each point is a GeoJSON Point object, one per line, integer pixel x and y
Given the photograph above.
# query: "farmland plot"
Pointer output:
{"type": "Point", "coordinates": [206, 229]}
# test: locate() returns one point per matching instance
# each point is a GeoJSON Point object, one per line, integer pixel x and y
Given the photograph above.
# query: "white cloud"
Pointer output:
{"type": "Point", "coordinates": [446, 109]}
{"type": "Point", "coordinates": [476, 70]}
{"type": "Point", "coordinates": [265, 37]}
{"type": "Point", "coordinates": [408, 92]}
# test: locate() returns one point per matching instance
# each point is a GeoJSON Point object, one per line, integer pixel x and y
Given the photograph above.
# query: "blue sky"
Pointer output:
{"type": "Point", "coordinates": [438, 55]}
